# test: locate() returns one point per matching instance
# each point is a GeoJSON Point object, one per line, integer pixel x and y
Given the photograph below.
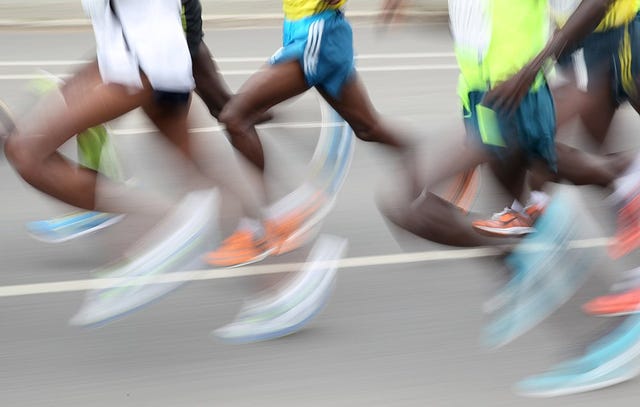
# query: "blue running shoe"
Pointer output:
{"type": "Point", "coordinates": [546, 274]}
{"type": "Point", "coordinates": [71, 226]}
{"type": "Point", "coordinates": [611, 360]}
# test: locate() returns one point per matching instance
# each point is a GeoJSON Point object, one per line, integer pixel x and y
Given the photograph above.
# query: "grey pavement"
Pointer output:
{"type": "Point", "coordinates": [46, 10]}
{"type": "Point", "coordinates": [404, 334]}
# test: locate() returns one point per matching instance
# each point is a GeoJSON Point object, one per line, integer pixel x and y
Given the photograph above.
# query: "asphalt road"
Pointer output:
{"type": "Point", "coordinates": [400, 332]}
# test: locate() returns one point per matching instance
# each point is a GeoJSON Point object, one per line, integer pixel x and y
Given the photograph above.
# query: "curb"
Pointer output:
{"type": "Point", "coordinates": [228, 20]}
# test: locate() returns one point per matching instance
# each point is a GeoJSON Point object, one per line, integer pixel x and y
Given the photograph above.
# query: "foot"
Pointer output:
{"type": "Point", "coordinates": [625, 303]}
{"type": "Point", "coordinates": [510, 223]}
{"type": "Point", "coordinates": [627, 237]}
{"type": "Point", "coordinates": [290, 307]}
{"type": "Point", "coordinates": [241, 248]}
{"type": "Point", "coordinates": [72, 226]}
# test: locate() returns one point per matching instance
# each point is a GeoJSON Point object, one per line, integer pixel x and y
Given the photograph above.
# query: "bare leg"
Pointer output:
{"type": "Point", "coordinates": [355, 106]}
{"type": "Point", "coordinates": [266, 88]}
{"type": "Point", "coordinates": [35, 156]}
{"type": "Point", "coordinates": [431, 217]}
{"type": "Point", "coordinates": [81, 82]}
{"type": "Point", "coordinates": [210, 86]}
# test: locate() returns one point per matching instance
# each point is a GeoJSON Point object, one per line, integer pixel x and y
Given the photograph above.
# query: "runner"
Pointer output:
{"type": "Point", "coordinates": [596, 107]}
{"type": "Point", "coordinates": [614, 358]}
{"type": "Point", "coordinates": [317, 52]}
{"type": "Point", "coordinates": [94, 144]}
{"type": "Point", "coordinates": [116, 88]}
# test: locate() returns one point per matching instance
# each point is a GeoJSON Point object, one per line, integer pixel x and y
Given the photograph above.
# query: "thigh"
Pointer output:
{"type": "Point", "coordinates": [103, 103]}
{"type": "Point", "coordinates": [81, 82]}
{"type": "Point", "coordinates": [353, 104]}
{"type": "Point", "coordinates": [269, 86]}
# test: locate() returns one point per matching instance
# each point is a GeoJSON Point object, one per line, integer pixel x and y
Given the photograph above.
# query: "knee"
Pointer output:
{"type": "Point", "coordinates": [366, 130]}
{"type": "Point", "coordinates": [232, 119]}
{"type": "Point", "coordinates": [20, 154]}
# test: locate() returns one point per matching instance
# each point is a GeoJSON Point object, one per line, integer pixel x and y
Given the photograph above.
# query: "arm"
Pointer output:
{"type": "Point", "coordinates": [508, 95]}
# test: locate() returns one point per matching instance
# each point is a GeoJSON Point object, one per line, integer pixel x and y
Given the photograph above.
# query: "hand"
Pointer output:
{"type": "Point", "coordinates": [332, 2]}
{"type": "Point", "coordinates": [506, 96]}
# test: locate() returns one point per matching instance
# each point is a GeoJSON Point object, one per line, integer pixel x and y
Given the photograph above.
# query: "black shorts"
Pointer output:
{"type": "Point", "coordinates": [192, 24]}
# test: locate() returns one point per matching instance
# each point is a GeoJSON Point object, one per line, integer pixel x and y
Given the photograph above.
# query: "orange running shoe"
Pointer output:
{"type": "Point", "coordinates": [508, 223]}
{"type": "Point", "coordinates": [627, 237]}
{"type": "Point", "coordinates": [535, 210]}
{"type": "Point", "coordinates": [293, 230]}
{"type": "Point", "coordinates": [612, 305]}
{"type": "Point", "coordinates": [241, 248]}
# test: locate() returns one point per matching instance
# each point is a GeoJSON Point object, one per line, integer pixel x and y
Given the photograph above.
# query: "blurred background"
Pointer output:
{"type": "Point", "coordinates": [403, 326]}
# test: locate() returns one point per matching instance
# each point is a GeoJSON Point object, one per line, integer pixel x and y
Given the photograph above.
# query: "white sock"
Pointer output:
{"type": "Point", "coordinates": [517, 206]}
{"type": "Point", "coordinates": [539, 198]}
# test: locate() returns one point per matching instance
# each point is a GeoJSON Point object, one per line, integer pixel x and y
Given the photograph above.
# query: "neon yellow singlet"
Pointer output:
{"type": "Point", "coordinates": [518, 31]}
{"type": "Point", "coordinates": [297, 9]}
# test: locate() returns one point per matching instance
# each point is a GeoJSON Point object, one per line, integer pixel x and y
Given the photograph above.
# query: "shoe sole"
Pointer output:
{"type": "Point", "coordinates": [256, 259]}
{"type": "Point", "coordinates": [89, 231]}
{"type": "Point", "coordinates": [339, 247]}
{"type": "Point", "coordinates": [499, 232]}
{"type": "Point", "coordinates": [579, 389]}
{"type": "Point", "coordinates": [615, 314]}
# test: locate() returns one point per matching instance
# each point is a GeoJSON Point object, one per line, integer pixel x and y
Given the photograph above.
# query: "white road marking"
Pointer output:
{"type": "Point", "coordinates": [215, 274]}
{"type": "Point", "coordinates": [217, 128]}
{"type": "Point", "coordinates": [246, 72]}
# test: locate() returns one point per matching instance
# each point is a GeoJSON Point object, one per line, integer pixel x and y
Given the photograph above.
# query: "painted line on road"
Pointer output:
{"type": "Point", "coordinates": [246, 72]}
{"type": "Point", "coordinates": [223, 60]}
{"type": "Point", "coordinates": [215, 274]}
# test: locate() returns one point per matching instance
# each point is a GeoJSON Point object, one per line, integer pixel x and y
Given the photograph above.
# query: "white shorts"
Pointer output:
{"type": "Point", "coordinates": [141, 35]}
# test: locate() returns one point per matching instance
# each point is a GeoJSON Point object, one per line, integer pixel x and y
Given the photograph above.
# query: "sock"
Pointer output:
{"type": "Point", "coordinates": [517, 206]}
{"type": "Point", "coordinates": [539, 198]}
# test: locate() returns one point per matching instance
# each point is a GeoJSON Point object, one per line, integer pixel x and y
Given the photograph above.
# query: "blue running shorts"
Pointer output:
{"type": "Point", "coordinates": [530, 129]}
{"type": "Point", "coordinates": [323, 44]}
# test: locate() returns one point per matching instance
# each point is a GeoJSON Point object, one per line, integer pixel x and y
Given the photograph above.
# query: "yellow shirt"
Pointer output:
{"type": "Point", "coordinates": [620, 13]}
{"type": "Point", "coordinates": [297, 9]}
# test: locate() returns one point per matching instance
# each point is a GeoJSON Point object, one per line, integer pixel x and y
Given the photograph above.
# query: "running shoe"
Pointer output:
{"type": "Point", "coordinates": [72, 226]}
{"type": "Point", "coordinates": [627, 237]}
{"type": "Point", "coordinates": [292, 306]}
{"type": "Point", "coordinates": [546, 273]}
{"type": "Point", "coordinates": [151, 269]}
{"type": "Point", "coordinates": [241, 248]}
{"type": "Point", "coordinates": [296, 228]}
{"type": "Point", "coordinates": [617, 304]}
{"type": "Point", "coordinates": [611, 360]}
{"type": "Point", "coordinates": [292, 223]}
{"type": "Point", "coordinates": [508, 223]}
